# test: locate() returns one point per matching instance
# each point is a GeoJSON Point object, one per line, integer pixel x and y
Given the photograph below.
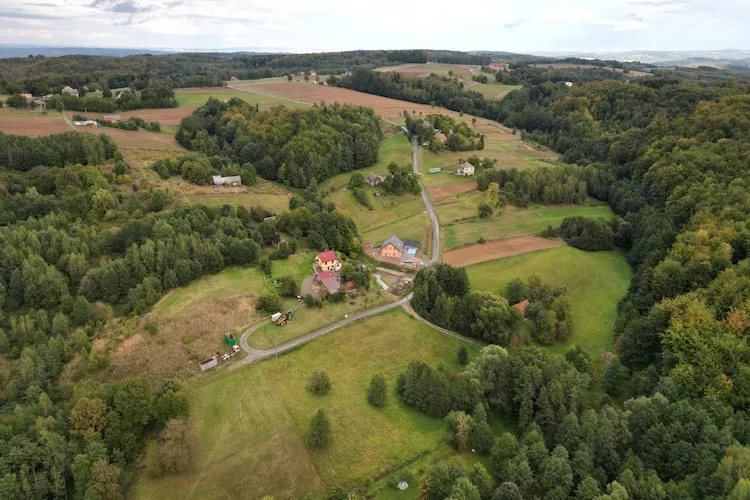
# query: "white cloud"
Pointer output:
{"type": "Point", "coordinates": [514, 25]}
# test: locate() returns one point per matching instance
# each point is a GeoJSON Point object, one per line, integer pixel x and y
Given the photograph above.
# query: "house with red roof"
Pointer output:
{"type": "Point", "coordinates": [327, 261]}
{"type": "Point", "coordinates": [498, 65]}
{"type": "Point", "coordinates": [521, 306]}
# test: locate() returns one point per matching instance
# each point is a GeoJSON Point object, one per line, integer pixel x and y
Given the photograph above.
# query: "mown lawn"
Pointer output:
{"type": "Point", "coordinates": [307, 319]}
{"type": "Point", "coordinates": [413, 227]}
{"type": "Point", "coordinates": [248, 427]}
{"type": "Point", "coordinates": [396, 148]}
{"type": "Point", "coordinates": [513, 222]}
{"type": "Point", "coordinates": [230, 282]}
{"type": "Point", "coordinates": [386, 208]}
{"type": "Point", "coordinates": [196, 99]}
{"type": "Point", "coordinates": [595, 282]}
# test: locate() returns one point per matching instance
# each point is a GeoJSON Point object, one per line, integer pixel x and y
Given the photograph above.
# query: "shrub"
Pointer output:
{"type": "Point", "coordinates": [377, 392]}
{"type": "Point", "coordinates": [320, 430]}
{"type": "Point", "coordinates": [312, 301]}
{"type": "Point", "coordinates": [363, 199]}
{"type": "Point", "coordinates": [269, 303]}
{"type": "Point", "coordinates": [484, 210]}
{"type": "Point", "coordinates": [288, 286]}
{"type": "Point", "coordinates": [319, 383]}
{"type": "Point", "coordinates": [463, 355]}
{"type": "Point", "coordinates": [152, 328]}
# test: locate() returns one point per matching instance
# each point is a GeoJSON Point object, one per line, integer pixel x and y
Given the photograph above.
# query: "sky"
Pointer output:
{"type": "Point", "coordinates": [332, 25]}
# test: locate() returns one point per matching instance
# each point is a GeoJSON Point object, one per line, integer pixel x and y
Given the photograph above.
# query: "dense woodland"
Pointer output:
{"type": "Point", "coordinates": [291, 146]}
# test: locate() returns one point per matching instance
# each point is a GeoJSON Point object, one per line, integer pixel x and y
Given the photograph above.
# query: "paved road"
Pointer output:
{"type": "Point", "coordinates": [435, 257]}
{"type": "Point", "coordinates": [257, 354]}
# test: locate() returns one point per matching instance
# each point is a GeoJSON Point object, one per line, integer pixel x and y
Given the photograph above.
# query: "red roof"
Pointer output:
{"type": "Point", "coordinates": [521, 306]}
{"type": "Point", "coordinates": [349, 285]}
{"type": "Point", "coordinates": [324, 275]}
{"type": "Point", "coordinates": [497, 64]}
{"type": "Point", "coordinates": [327, 256]}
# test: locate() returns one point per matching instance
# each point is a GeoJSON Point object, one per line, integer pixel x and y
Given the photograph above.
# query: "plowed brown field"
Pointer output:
{"type": "Point", "coordinates": [497, 250]}
{"type": "Point", "coordinates": [32, 124]}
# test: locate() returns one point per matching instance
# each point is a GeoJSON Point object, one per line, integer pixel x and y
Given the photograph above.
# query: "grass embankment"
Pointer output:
{"type": "Point", "coordinates": [513, 222]}
{"type": "Point", "coordinates": [248, 427]}
{"type": "Point", "coordinates": [595, 281]}
{"type": "Point", "coordinates": [231, 282]}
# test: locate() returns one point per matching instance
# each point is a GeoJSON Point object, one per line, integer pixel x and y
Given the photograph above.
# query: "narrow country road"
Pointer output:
{"type": "Point", "coordinates": [257, 354]}
{"type": "Point", "coordinates": [254, 355]}
{"type": "Point", "coordinates": [435, 257]}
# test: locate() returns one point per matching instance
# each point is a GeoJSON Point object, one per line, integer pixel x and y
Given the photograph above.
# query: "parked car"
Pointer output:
{"type": "Point", "coordinates": [225, 357]}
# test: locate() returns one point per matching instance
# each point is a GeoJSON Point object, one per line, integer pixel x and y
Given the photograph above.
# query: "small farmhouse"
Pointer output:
{"type": "Point", "coordinates": [465, 169]}
{"type": "Point", "coordinates": [69, 90]}
{"type": "Point", "coordinates": [395, 247]}
{"type": "Point", "coordinates": [440, 137]}
{"type": "Point", "coordinates": [111, 118]}
{"type": "Point", "coordinates": [327, 261]}
{"type": "Point", "coordinates": [521, 306]}
{"type": "Point", "coordinates": [329, 280]}
{"type": "Point", "coordinates": [498, 65]}
{"type": "Point", "coordinates": [374, 179]}
{"type": "Point", "coordinates": [232, 180]}
{"type": "Point", "coordinates": [38, 105]}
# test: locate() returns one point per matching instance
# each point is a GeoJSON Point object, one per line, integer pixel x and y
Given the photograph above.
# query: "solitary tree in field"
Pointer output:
{"type": "Point", "coordinates": [463, 355]}
{"type": "Point", "coordinates": [376, 393]}
{"type": "Point", "coordinates": [319, 383]}
{"type": "Point", "coordinates": [493, 194]}
{"type": "Point", "coordinates": [289, 77]}
{"type": "Point", "coordinates": [320, 430]}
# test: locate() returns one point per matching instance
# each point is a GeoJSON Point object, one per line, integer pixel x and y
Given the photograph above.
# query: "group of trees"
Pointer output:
{"type": "Point", "coordinates": [442, 295]}
{"type": "Point", "coordinates": [460, 137]}
{"type": "Point", "coordinates": [548, 311]}
{"type": "Point", "coordinates": [547, 185]}
{"type": "Point", "coordinates": [292, 146]}
{"type": "Point", "coordinates": [401, 180]}
{"type": "Point", "coordinates": [652, 447]}
{"type": "Point", "coordinates": [591, 234]}
{"type": "Point", "coordinates": [200, 169]}
{"type": "Point", "coordinates": [133, 123]}
{"type": "Point", "coordinates": [151, 97]}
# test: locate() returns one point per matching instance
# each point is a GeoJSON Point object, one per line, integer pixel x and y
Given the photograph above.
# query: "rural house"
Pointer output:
{"type": "Point", "coordinates": [465, 169]}
{"type": "Point", "coordinates": [38, 105]}
{"type": "Point", "coordinates": [395, 247]}
{"type": "Point", "coordinates": [374, 179]}
{"type": "Point", "coordinates": [232, 180]}
{"type": "Point", "coordinates": [69, 90]}
{"type": "Point", "coordinates": [111, 118]}
{"type": "Point", "coordinates": [327, 261]}
{"type": "Point", "coordinates": [498, 65]}
{"type": "Point", "coordinates": [329, 280]}
{"type": "Point", "coordinates": [521, 306]}
{"type": "Point", "coordinates": [440, 137]}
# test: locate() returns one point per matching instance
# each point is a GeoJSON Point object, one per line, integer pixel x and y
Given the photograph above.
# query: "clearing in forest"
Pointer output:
{"type": "Point", "coordinates": [248, 427]}
{"type": "Point", "coordinates": [463, 71]}
{"type": "Point", "coordinates": [492, 91]}
{"type": "Point", "coordinates": [595, 282]}
{"type": "Point", "coordinates": [498, 249]}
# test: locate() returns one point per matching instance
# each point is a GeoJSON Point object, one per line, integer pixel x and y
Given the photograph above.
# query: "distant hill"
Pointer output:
{"type": "Point", "coordinates": [41, 50]}
{"type": "Point", "coordinates": [725, 57]}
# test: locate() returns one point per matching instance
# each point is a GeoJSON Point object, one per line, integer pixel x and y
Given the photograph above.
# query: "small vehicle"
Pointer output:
{"type": "Point", "coordinates": [225, 357]}
{"type": "Point", "coordinates": [299, 297]}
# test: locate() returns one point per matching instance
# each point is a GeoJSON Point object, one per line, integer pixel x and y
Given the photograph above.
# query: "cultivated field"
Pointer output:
{"type": "Point", "coordinates": [498, 249]}
{"type": "Point", "coordinates": [424, 70]}
{"type": "Point", "coordinates": [248, 427]}
{"type": "Point", "coordinates": [492, 91]}
{"type": "Point", "coordinates": [512, 222]}
{"type": "Point", "coordinates": [595, 282]}
{"type": "Point", "coordinates": [138, 139]}
{"type": "Point", "coordinates": [31, 123]}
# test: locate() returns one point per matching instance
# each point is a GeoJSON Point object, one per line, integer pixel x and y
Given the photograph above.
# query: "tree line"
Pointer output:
{"type": "Point", "coordinates": [291, 146]}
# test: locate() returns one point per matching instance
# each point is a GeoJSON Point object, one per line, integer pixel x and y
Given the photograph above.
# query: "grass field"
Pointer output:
{"type": "Point", "coordinates": [595, 282]}
{"type": "Point", "coordinates": [387, 208]}
{"type": "Point", "coordinates": [396, 148]}
{"type": "Point", "coordinates": [196, 99]}
{"type": "Point", "coordinates": [263, 194]}
{"type": "Point", "coordinates": [424, 70]}
{"type": "Point", "coordinates": [308, 319]}
{"type": "Point", "coordinates": [248, 426]}
{"type": "Point", "coordinates": [513, 222]}
{"type": "Point", "coordinates": [230, 282]}
{"type": "Point", "coordinates": [414, 227]}
{"type": "Point", "coordinates": [493, 91]}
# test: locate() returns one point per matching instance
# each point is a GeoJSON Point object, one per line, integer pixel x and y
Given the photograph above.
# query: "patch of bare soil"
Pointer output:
{"type": "Point", "coordinates": [180, 343]}
{"type": "Point", "coordinates": [498, 249]}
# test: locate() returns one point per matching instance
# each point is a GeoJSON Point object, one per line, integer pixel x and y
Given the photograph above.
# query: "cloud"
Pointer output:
{"type": "Point", "coordinates": [19, 14]}
{"type": "Point", "coordinates": [129, 7]}
{"type": "Point", "coordinates": [657, 3]}
{"type": "Point", "coordinates": [514, 24]}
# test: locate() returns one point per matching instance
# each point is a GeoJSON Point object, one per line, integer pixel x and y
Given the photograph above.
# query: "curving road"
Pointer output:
{"type": "Point", "coordinates": [258, 354]}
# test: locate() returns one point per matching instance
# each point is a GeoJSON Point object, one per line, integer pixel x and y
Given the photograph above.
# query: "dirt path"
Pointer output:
{"type": "Point", "coordinates": [498, 249]}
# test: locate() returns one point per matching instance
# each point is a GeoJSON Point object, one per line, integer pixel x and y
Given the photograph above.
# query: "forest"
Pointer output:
{"type": "Point", "coordinates": [291, 146]}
